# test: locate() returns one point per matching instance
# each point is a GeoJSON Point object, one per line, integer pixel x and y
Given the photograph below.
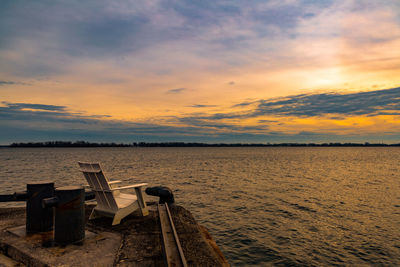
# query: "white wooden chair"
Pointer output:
{"type": "Point", "coordinates": [110, 201]}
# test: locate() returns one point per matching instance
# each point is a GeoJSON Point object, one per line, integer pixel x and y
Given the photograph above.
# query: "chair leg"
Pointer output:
{"type": "Point", "coordinates": [142, 203]}
{"type": "Point", "coordinates": [145, 211]}
{"type": "Point", "coordinates": [94, 215]}
{"type": "Point", "coordinates": [117, 219]}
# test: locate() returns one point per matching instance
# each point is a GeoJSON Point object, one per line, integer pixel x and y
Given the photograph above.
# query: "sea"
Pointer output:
{"type": "Point", "coordinates": [264, 206]}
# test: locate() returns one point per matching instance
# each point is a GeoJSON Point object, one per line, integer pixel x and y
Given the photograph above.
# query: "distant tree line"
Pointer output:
{"type": "Point", "coordinates": [183, 144]}
{"type": "Point", "coordinates": [67, 144]}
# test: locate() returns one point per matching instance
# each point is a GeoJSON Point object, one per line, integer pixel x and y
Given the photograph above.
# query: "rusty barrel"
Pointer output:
{"type": "Point", "coordinates": [69, 220]}
{"type": "Point", "coordinates": [38, 218]}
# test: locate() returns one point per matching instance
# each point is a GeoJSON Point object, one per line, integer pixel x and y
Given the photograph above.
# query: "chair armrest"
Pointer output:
{"type": "Point", "coordinates": [129, 186]}
{"type": "Point", "coordinates": [114, 182]}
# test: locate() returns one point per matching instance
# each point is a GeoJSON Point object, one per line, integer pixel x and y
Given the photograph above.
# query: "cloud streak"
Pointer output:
{"type": "Point", "coordinates": [371, 103]}
{"type": "Point", "coordinates": [35, 118]}
{"type": "Point", "coordinates": [176, 91]}
{"type": "Point", "coordinates": [38, 115]}
{"type": "Point", "coordinates": [330, 109]}
{"type": "Point", "coordinates": [21, 106]}
{"type": "Point", "coordinates": [202, 106]}
{"type": "Point", "coordinates": [7, 83]}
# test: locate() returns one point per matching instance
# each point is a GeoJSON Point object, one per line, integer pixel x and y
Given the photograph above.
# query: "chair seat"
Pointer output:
{"type": "Point", "coordinates": [124, 200]}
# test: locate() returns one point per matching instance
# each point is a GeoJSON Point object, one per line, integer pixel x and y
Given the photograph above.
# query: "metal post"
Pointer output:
{"type": "Point", "coordinates": [70, 215]}
{"type": "Point", "coordinates": [38, 218]}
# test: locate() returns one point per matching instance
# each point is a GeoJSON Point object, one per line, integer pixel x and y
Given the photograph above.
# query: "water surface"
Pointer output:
{"type": "Point", "coordinates": [264, 206]}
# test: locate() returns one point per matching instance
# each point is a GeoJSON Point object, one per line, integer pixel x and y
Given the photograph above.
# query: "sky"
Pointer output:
{"type": "Point", "coordinates": [267, 71]}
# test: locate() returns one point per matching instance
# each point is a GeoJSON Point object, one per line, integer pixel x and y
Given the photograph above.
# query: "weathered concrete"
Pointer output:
{"type": "Point", "coordinates": [134, 242]}
{"type": "Point", "coordinates": [8, 262]}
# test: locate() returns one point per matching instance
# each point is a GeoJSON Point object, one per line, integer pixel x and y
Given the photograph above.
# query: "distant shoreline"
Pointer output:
{"type": "Point", "coordinates": [183, 144]}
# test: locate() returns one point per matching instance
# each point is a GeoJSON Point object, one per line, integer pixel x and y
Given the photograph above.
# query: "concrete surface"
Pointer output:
{"type": "Point", "coordinates": [134, 242]}
{"type": "Point", "coordinates": [8, 262]}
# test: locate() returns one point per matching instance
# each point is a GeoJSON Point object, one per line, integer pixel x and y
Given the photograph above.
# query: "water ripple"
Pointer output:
{"type": "Point", "coordinates": [264, 206]}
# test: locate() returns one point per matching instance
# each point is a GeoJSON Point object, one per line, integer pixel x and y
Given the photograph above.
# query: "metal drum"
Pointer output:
{"type": "Point", "coordinates": [39, 218]}
{"type": "Point", "coordinates": [70, 215]}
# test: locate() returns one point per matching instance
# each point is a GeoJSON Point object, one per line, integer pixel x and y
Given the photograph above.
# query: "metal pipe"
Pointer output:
{"type": "Point", "coordinates": [165, 194]}
{"type": "Point", "coordinates": [23, 196]}
{"type": "Point", "coordinates": [53, 201]}
{"type": "Point", "coordinates": [20, 196]}
{"type": "Point", "coordinates": [17, 196]}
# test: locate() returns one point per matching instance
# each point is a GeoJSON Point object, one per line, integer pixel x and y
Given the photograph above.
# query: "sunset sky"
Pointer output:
{"type": "Point", "coordinates": [200, 71]}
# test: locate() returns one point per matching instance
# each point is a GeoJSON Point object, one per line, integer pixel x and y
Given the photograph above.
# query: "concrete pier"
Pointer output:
{"type": "Point", "coordinates": [136, 241]}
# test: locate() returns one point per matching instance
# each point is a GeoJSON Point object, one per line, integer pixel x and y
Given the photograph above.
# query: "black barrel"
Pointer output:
{"type": "Point", "coordinates": [69, 220]}
{"type": "Point", "coordinates": [38, 218]}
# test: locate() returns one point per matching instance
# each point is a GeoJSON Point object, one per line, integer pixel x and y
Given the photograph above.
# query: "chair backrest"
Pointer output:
{"type": "Point", "coordinates": [99, 184]}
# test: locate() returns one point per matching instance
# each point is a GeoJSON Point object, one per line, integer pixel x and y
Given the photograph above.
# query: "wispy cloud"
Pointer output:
{"type": "Point", "coordinates": [244, 104]}
{"type": "Point", "coordinates": [26, 121]}
{"type": "Point", "coordinates": [371, 103]}
{"type": "Point", "coordinates": [21, 106]}
{"type": "Point", "coordinates": [233, 126]}
{"type": "Point", "coordinates": [176, 91]}
{"type": "Point", "coordinates": [334, 105]}
{"type": "Point", "coordinates": [264, 115]}
{"type": "Point", "coordinates": [7, 83]}
{"type": "Point", "coordinates": [202, 106]}
{"type": "Point", "coordinates": [4, 83]}
{"type": "Point", "coordinates": [38, 115]}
